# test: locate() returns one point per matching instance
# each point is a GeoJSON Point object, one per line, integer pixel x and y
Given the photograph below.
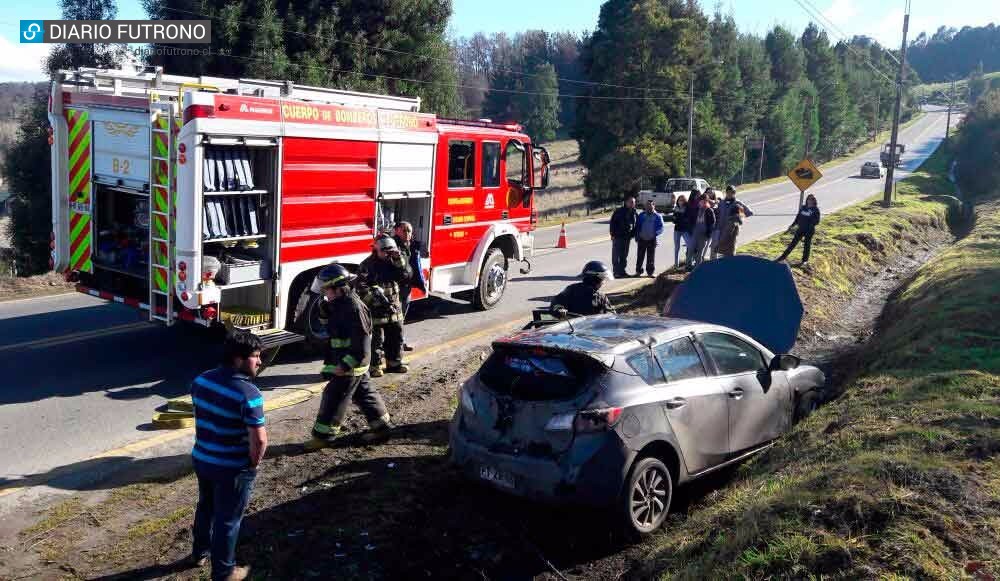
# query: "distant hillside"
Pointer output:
{"type": "Point", "coordinates": [951, 53]}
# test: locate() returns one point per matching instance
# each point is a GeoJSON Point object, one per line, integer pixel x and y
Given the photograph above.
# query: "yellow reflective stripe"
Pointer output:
{"type": "Point", "coordinates": [350, 361]}
{"type": "Point", "coordinates": [328, 369]}
{"type": "Point", "coordinates": [322, 428]}
{"type": "Point", "coordinates": [339, 343]}
{"type": "Point", "coordinates": [357, 371]}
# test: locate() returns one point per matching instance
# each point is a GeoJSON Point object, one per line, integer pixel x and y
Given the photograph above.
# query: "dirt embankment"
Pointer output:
{"type": "Point", "coordinates": [397, 510]}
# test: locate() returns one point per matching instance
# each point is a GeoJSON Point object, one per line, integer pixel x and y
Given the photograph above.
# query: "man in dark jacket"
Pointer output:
{"type": "Point", "coordinates": [345, 365]}
{"type": "Point", "coordinates": [409, 249]}
{"type": "Point", "coordinates": [585, 298]}
{"type": "Point", "coordinates": [622, 232]}
{"type": "Point", "coordinates": [379, 277]}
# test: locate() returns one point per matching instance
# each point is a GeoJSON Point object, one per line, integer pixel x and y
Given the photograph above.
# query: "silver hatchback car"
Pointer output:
{"type": "Point", "coordinates": [618, 410]}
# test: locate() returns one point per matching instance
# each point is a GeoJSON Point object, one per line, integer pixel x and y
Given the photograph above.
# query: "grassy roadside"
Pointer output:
{"type": "Point", "coordinates": [900, 477]}
{"type": "Point", "coordinates": [857, 241]}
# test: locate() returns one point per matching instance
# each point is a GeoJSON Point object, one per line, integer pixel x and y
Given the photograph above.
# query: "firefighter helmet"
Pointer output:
{"type": "Point", "coordinates": [332, 276]}
{"type": "Point", "coordinates": [386, 243]}
{"type": "Point", "coordinates": [598, 269]}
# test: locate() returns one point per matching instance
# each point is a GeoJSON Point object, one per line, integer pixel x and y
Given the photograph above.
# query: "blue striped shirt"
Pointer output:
{"type": "Point", "coordinates": [225, 403]}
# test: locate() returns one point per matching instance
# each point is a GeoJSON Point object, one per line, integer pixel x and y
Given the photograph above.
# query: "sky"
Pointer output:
{"type": "Point", "coordinates": [880, 19]}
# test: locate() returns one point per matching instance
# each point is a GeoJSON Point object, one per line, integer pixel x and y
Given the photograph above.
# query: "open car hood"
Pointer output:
{"type": "Point", "coordinates": [752, 295]}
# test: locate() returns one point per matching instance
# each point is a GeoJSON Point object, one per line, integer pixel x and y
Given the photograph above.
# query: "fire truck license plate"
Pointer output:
{"type": "Point", "coordinates": [498, 477]}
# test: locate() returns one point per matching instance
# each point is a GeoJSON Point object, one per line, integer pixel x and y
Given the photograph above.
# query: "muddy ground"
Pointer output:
{"type": "Point", "coordinates": [395, 510]}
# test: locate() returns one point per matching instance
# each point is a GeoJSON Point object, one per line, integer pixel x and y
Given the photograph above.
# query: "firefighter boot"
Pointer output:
{"type": "Point", "coordinates": [397, 367]}
{"type": "Point", "coordinates": [378, 430]}
{"type": "Point", "coordinates": [321, 439]}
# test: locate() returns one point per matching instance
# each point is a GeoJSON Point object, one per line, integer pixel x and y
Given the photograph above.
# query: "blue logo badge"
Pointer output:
{"type": "Point", "coordinates": [32, 31]}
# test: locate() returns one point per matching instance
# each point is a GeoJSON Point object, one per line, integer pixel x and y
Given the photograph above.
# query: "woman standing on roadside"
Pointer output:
{"type": "Point", "coordinates": [702, 225]}
{"type": "Point", "coordinates": [806, 221]}
{"type": "Point", "coordinates": [682, 228]}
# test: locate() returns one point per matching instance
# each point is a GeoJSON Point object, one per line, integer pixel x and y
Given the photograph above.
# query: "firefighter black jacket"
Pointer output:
{"type": "Point", "coordinates": [349, 325]}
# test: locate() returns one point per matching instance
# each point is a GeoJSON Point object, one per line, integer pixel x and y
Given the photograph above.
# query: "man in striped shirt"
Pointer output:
{"type": "Point", "coordinates": [229, 444]}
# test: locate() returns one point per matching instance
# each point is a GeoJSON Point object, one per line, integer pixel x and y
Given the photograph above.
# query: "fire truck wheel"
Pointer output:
{"type": "Point", "coordinates": [307, 324]}
{"type": "Point", "coordinates": [492, 280]}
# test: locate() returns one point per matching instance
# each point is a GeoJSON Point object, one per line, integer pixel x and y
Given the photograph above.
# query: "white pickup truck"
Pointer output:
{"type": "Point", "coordinates": [664, 199]}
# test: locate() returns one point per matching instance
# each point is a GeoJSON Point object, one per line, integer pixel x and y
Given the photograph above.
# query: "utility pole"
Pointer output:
{"type": "Point", "coordinates": [743, 162]}
{"type": "Point", "coordinates": [690, 124]}
{"type": "Point", "coordinates": [951, 99]}
{"type": "Point", "coordinates": [887, 193]}
{"type": "Point", "coordinates": [878, 98]}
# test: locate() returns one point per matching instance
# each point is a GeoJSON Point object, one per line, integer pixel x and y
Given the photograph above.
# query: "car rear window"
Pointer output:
{"type": "Point", "coordinates": [536, 374]}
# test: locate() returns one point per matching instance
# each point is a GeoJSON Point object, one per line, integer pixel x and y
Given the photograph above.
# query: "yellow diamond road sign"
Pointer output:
{"type": "Point", "coordinates": [804, 175]}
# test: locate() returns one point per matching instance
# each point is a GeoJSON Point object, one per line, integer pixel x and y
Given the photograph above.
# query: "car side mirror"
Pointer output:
{"type": "Point", "coordinates": [784, 362]}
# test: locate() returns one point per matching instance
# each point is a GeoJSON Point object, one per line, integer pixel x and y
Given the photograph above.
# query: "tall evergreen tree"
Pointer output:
{"type": "Point", "coordinates": [390, 46]}
{"type": "Point", "coordinates": [539, 105]}
{"type": "Point", "coordinates": [824, 72]}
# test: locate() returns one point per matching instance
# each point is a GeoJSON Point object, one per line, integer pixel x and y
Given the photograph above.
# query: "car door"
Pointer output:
{"type": "Point", "coordinates": [694, 404]}
{"type": "Point", "coordinates": [756, 398]}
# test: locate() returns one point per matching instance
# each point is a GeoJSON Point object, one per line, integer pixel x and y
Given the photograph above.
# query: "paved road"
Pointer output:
{"type": "Point", "coordinates": [82, 376]}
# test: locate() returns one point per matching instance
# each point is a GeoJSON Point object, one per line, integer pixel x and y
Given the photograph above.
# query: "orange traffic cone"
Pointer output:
{"type": "Point", "coordinates": [562, 238]}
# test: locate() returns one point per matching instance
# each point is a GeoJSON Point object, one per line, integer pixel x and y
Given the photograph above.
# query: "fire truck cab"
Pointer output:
{"type": "Point", "coordinates": [217, 200]}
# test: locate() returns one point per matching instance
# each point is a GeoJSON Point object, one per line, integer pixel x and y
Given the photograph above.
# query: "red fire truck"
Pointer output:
{"type": "Point", "coordinates": [217, 200]}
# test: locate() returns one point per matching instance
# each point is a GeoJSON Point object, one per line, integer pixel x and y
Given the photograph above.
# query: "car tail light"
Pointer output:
{"type": "Point", "coordinates": [182, 266]}
{"type": "Point", "coordinates": [182, 275]}
{"type": "Point", "coordinates": [597, 420]}
{"type": "Point", "coordinates": [210, 312]}
{"type": "Point", "coordinates": [197, 111]}
{"type": "Point", "coordinates": [185, 296]}
{"type": "Point", "coordinates": [534, 217]}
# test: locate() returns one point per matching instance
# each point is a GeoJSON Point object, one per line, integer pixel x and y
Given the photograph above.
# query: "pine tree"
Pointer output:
{"type": "Point", "coordinates": [539, 106]}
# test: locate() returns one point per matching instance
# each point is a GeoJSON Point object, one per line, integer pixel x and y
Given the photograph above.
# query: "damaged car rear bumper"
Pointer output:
{"type": "Point", "coordinates": [591, 475]}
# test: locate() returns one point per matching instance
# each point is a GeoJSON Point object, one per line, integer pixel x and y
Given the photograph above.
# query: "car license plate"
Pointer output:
{"type": "Point", "coordinates": [498, 477]}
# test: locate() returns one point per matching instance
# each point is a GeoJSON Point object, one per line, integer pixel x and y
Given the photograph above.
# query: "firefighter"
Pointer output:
{"type": "Point", "coordinates": [585, 298]}
{"type": "Point", "coordinates": [380, 276]}
{"type": "Point", "coordinates": [409, 248]}
{"type": "Point", "coordinates": [348, 354]}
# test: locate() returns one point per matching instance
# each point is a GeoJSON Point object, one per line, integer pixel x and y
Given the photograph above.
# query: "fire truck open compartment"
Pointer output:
{"type": "Point", "coordinates": [415, 210]}
{"type": "Point", "coordinates": [121, 255]}
{"type": "Point", "coordinates": [239, 218]}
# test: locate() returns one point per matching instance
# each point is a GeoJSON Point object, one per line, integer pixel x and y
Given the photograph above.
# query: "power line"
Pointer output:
{"type": "Point", "coordinates": [453, 62]}
{"type": "Point", "coordinates": [843, 35]}
{"type": "Point", "coordinates": [846, 43]}
{"type": "Point", "coordinates": [456, 85]}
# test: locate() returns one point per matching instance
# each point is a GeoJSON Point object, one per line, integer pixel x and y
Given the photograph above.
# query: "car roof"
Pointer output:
{"type": "Point", "coordinates": [598, 334]}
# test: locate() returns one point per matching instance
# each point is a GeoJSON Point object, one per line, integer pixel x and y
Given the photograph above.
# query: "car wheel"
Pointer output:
{"type": "Point", "coordinates": [492, 280]}
{"type": "Point", "coordinates": [805, 405]}
{"type": "Point", "coordinates": [646, 497]}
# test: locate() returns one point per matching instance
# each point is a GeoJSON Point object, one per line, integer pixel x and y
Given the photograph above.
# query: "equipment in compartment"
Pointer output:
{"type": "Point", "coordinates": [240, 267]}
{"type": "Point", "coordinates": [231, 217]}
{"type": "Point", "coordinates": [122, 231]}
{"type": "Point", "coordinates": [228, 169]}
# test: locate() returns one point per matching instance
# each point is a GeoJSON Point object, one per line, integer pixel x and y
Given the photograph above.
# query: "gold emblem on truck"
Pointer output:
{"type": "Point", "coordinates": [126, 129]}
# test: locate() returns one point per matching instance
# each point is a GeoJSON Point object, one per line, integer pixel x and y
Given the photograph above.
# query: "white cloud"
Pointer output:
{"type": "Point", "coordinates": [841, 12]}
{"type": "Point", "coordinates": [22, 62]}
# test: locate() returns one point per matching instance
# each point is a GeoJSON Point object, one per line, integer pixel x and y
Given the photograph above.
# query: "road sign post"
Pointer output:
{"type": "Point", "coordinates": [804, 175]}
